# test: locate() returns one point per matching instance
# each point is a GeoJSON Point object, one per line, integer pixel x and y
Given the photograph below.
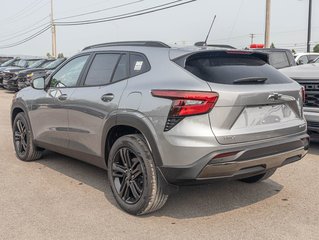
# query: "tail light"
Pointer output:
{"type": "Point", "coordinates": [186, 103]}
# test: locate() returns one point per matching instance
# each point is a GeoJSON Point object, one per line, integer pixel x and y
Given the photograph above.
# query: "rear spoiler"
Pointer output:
{"type": "Point", "coordinates": [181, 60]}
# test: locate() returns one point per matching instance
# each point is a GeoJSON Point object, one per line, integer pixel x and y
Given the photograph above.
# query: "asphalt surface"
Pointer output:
{"type": "Point", "coordinates": [62, 198]}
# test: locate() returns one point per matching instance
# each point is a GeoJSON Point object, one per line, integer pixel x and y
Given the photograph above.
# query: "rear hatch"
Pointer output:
{"type": "Point", "coordinates": [255, 102]}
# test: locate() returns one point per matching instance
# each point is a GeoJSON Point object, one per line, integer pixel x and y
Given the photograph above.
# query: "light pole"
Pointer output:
{"type": "Point", "coordinates": [267, 24]}
{"type": "Point", "coordinates": [309, 26]}
{"type": "Point", "coordinates": [53, 30]}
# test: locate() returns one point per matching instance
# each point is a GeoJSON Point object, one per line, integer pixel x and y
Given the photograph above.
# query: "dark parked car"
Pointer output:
{"type": "Point", "coordinates": [5, 59]}
{"type": "Point", "coordinates": [279, 58]}
{"type": "Point", "coordinates": [10, 63]}
{"type": "Point", "coordinates": [156, 117]}
{"type": "Point", "coordinates": [10, 74]}
{"type": "Point", "coordinates": [24, 77]}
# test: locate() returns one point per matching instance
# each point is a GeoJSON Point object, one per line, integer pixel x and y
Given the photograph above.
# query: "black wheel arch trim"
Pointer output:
{"type": "Point", "coordinates": [137, 121]}
{"type": "Point", "coordinates": [16, 105]}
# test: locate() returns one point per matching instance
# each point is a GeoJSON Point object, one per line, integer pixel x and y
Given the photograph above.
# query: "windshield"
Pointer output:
{"type": "Point", "coordinates": [317, 60]}
{"type": "Point", "coordinates": [45, 64]}
{"type": "Point", "coordinates": [35, 64]}
{"type": "Point", "coordinates": [55, 63]}
{"type": "Point", "coordinates": [21, 63]}
{"type": "Point", "coordinates": [8, 63]}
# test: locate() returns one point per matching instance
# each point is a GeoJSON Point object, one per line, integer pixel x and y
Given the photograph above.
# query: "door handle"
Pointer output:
{"type": "Point", "coordinates": [63, 97]}
{"type": "Point", "coordinates": [107, 97]}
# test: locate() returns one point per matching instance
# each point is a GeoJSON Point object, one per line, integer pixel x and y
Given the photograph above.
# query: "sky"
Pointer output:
{"type": "Point", "coordinates": [186, 24]}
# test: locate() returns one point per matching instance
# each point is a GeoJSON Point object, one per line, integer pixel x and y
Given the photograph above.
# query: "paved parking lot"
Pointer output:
{"type": "Point", "coordinates": [61, 198]}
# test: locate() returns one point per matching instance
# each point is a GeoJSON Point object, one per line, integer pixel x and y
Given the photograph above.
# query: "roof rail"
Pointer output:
{"type": "Point", "coordinates": [203, 44]}
{"type": "Point", "coordinates": [130, 43]}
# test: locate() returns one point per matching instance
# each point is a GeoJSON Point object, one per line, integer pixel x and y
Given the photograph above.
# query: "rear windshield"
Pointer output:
{"type": "Point", "coordinates": [226, 68]}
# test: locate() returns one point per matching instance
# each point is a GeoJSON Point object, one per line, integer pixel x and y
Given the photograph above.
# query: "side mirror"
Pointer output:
{"type": "Point", "coordinates": [38, 83]}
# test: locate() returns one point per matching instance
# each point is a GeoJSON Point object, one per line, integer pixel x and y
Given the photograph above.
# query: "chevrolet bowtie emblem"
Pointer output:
{"type": "Point", "coordinates": [274, 97]}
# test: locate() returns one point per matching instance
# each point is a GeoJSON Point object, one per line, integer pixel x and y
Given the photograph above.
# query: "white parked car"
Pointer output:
{"type": "Point", "coordinates": [304, 58]}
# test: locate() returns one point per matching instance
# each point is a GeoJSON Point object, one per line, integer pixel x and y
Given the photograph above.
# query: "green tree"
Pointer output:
{"type": "Point", "coordinates": [293, 51]}
{"type": "Point", "coordinates": [316, 48]}
{"type": "Point", "coordinates": [60, 55]}
{"type": "Point", "coordinates": [272, 45]}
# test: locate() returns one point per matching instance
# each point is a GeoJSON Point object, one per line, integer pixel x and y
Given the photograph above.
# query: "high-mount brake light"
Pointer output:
{"type": "Point", "coordinates": [240, 52]}
{"type": "Point", "coordinates": [186, 103]}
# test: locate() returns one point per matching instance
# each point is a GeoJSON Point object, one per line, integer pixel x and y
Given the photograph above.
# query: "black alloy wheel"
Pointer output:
{"type": "Point", "coordinates": [21, 138]}
{"type": "Point", "coordinates": [128, 175]}
{"type": "Point", "coordinates": [133, 176]}
{"type": "Point", "coordinates": [23, 142]}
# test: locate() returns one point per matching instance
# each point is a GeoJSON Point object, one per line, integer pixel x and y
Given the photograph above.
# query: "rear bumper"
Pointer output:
{"type": "Point", "coordinates": [245, 163]}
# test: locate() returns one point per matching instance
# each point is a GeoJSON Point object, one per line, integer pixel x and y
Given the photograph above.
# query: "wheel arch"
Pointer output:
{"type": "Point", "coordinates": [16, 109]}
{"type": "Point", "coordinates": [130, 124]}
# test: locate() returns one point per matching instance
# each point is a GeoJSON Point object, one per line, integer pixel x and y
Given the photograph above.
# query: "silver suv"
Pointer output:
{"type": "Point", "coordinates": [157, 117]}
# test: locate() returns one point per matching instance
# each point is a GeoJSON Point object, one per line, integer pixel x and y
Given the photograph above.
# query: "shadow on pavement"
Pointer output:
{"type": "Point", "coordinates": [314, 147]}
{"type": "Point", "coordinates": [188, 202]}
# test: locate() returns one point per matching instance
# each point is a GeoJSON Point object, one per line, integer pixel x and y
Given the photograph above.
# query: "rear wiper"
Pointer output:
{"type": "Point", "coordinates": [250, 80]}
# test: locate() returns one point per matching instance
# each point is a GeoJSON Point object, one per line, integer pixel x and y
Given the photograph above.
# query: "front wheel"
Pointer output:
{"type": "Point", "coordinates": [132, 176]}
{"type": "Point", "coordinates": [23, 140]}
{"type": "Point", "coordinates": [260, 177]}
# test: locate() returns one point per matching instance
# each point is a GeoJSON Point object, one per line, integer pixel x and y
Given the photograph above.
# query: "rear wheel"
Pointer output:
{"type": "Point", "coordinates": [133, 178]}
{"type": "Point", "coordinates": [23, 140]}
{"type": "Point", "coordinates": [260, 177]}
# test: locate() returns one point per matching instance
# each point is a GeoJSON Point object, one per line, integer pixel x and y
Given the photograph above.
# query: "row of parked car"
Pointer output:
{"type": "Point", "coordinates": [17, 73]}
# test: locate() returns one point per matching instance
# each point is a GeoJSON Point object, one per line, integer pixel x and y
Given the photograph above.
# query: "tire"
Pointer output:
{"type": "Point", "coordinates": [133, 177]}
{"type": "Point", "coordinates": [260, 177]}
{"type": "Point", "coordinates": [23, 139]}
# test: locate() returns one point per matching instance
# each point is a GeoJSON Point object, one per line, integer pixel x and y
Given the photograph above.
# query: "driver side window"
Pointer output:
{"type": "Point", "coordinates": [69, 74]}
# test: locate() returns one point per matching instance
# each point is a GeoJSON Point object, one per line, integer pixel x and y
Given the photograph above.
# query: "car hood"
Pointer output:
{"type": "Point", "coordinates": [2, 69]}
{"type": "Point", "coordinates": [306, 71]}
{"type": "Point", "coordinates": [32, 70]}
{"type": "Point", "coordinates": [13, 69]}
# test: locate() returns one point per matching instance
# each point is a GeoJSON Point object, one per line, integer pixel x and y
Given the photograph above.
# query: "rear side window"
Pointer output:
{"type": "Point", "coordinates": [101, 70]}
{"type": "Point", "coordinates": [121, 71]}
{"type": "Point", "coordinates": [225, 68]}
{"type": "Point", "coordinates": [138, 64]}
{"type": "Point", "coordinates": [278, 60]}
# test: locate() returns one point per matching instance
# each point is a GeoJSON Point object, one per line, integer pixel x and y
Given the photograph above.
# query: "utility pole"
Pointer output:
{"type": "Point", "coordinates": [267, 24]}
{"type": "Point", "coordinates": [252, 35]}
{"type": "Point", "coordinates": [53, 30]}
{"type": "Point", "coordinates": [309, 26]}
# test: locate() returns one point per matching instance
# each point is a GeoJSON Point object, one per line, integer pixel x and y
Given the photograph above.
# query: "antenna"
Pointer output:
{"type": "Point", "coordinates": [210, 29]}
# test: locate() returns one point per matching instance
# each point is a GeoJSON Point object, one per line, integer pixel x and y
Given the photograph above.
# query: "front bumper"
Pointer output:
{"type": "Point", "coordinates": [10, 84]}
{"type": "Point", "coordinates": [312, 117]}
{"type": "Point", "coordinates": [251, 161]}
{"type": "Point", "coordinates": [23, 84]}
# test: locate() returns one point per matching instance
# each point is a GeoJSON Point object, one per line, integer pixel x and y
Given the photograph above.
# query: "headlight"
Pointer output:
{"type": "Point", "coordinates": [30, 75]}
